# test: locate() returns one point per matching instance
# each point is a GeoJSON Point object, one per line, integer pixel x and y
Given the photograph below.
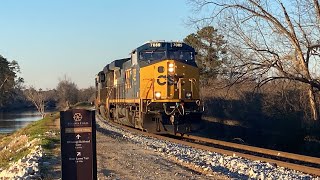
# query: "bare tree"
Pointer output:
{"type": "Point", "coordinates": [38, 98]}
{"type": "Point", "coordinates": [87, 94]}
{"type": "Point", "coordinates": [67, 93]}
{"type": "Point", "coordinates": [270, 40]}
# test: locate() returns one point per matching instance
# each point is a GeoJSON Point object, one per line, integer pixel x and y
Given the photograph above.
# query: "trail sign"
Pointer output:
{"type": "Point", "coordinates": [78, 144]}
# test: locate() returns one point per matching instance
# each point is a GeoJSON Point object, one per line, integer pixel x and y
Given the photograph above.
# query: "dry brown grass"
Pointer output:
{"type": "Point", "coordinates": [17, 145]}
{"type": "Point", "coordinates": [12, 147]}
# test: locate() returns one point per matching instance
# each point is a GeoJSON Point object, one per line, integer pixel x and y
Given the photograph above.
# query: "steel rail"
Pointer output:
{"type": "Point", "coordinates": [301, 168]}
{"type": "Point", "coordinates": [297, 167]}
{"type": "Point", "coordinates": [270, 152]}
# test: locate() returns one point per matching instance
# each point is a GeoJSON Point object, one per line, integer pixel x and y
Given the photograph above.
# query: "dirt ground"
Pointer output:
{"type": "Point", "coordinates": [120, 159]}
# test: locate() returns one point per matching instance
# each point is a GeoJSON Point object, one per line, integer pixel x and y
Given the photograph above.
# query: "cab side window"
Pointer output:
{"type": "Point", "coordinates": [102, 77]}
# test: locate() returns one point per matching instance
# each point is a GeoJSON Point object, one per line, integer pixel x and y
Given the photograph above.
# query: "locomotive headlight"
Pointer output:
{"type": "Point", "coordinates": [171, 68]}
{"type": "Point", "coordinates": [157, 95]}
{"type": "Point", "coordinates": [188, 95]}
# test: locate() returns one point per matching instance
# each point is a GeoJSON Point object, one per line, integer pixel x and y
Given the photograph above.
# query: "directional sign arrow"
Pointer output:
{"type": "Point", "coordinates": [78, 136]}
{"type": "Point", "coordinates": [78, 154]}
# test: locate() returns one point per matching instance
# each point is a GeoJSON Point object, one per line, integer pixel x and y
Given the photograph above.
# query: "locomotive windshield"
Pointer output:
{"type": "Point", "coordinates": [157, 51]}
{"type": "Point", "coordinates": [152, 55]}
{"type": "Point", "coordinates": [181, 55]}
{"type": "Point", "coordinates": [160, 55]}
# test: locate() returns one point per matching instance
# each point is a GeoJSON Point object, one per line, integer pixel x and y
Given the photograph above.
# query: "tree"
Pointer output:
{"type": "Point", "coordinates": [8, 80]}
{"type": "Point", "coordinates": [271, 40]}
{"type": "Point", "coordinates": [38, 98]}
{"type": "Point", "coordinates": [211, 49]}
{"type": "Point", "coordinates": [87, 94]}
{"type": "Point", "coordinates": [67, 92]}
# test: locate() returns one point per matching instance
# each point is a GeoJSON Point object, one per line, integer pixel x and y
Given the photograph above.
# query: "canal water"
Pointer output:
{"type": "Point", "coordinates": [12, 121]}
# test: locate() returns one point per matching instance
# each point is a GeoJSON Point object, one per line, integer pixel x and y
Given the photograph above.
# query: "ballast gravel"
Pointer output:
{"type": "Point", "coordinates": [173, 161]}
{"type": "Point", "coordinates": [120, 158]}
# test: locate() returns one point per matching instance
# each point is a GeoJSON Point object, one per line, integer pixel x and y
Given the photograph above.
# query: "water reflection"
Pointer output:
{"type": "Point", "coordinates": [12, 121]}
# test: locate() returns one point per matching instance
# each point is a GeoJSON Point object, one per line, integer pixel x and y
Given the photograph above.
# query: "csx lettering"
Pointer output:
{"type": "Point", "coordinates": [162, 80]}
{"type": "Point", "coordinates": [162, 77]}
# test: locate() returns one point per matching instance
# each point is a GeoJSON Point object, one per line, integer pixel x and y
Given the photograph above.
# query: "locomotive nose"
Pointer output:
{"type": "Point", "coordinates": [172, 83]}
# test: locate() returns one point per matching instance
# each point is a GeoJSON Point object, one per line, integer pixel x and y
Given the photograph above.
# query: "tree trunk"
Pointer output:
{"type": "Point", "coordinates": [313, 104]}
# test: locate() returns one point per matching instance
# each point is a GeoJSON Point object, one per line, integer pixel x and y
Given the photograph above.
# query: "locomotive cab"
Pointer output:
{"type": "Point", "coordinates": [157, 89]}
{"type": "Point", "coordinates": [170, 83]}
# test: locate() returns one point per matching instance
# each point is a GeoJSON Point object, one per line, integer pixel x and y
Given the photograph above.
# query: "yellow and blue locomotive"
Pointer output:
{"type": "Point", "coordinates": [156, 89]}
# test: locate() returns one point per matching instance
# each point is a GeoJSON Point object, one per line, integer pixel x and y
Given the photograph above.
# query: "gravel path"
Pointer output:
{"type": "Point", "coordinates": [118, 158]}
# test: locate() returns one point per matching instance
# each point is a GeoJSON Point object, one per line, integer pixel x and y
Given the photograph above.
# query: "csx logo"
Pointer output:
{"type": "Point", "coordinates": [163, 79]}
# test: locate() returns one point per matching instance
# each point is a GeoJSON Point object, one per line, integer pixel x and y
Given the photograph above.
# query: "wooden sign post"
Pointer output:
{"type": "Point", "coordinates": [78, 144]}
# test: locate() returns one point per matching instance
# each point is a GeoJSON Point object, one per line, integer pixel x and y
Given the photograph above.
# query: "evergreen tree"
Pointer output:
{"type": "Point", "coordinates": [211, 49]}
{"type": "Point", "coordinates": [8, 80]}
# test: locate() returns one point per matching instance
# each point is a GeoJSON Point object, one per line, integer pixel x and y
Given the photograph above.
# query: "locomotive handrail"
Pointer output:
{"type": "Point", "coordinates": [191, 84]}
{"type": "Point", "coordinates": [165, 109]}
{"type": "Point", "coordinates": [182, 107]}
{"type": "Point", "coordinates": [179, 87]}
{"type": "Point", "coordinates": [148, 103]}
{"type": "Point", "coordinates": [152, 85]}
{"type": "Point", "coordinates": [193, 81]}
{"type": "Point", "coordinates": [176, 108]}
{"type": "Point", "coordinates": [110, 87]}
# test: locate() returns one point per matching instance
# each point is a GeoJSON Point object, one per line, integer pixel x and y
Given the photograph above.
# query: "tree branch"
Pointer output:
{"type": "Point", "coordinates": [317, 10]}
{"type": "Point", "coordinates": [4, 82]}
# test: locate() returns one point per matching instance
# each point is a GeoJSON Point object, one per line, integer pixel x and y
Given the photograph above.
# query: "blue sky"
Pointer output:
{"type": "Point", "coordinates": [50, 39]}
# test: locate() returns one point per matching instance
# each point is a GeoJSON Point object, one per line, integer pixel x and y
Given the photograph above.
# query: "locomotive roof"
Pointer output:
{"type": "Point", "coordinates": [162, 45]}
{"type": "Point", "coordinates": [114, 64]}
{"type": "Point", "coordinates": [151, 46]}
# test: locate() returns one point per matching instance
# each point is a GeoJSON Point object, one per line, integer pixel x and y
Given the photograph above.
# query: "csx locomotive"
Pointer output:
{"type": "Point", "coordinates": [156, 89]}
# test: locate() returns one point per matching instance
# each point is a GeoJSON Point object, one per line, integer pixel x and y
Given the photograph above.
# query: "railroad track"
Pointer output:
{"type": "Point", "coordinates": [305, 164]}
{"type": "Point", "coordinates": [302, 163]}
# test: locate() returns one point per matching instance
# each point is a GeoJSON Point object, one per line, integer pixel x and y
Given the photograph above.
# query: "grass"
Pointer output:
{"type": "Point", "coordinates": [14, 146]}
{"type": "Point", "coordinates": [47, 131]}
{"type": "Point", "coordinates": [83, 105]}
{"type": "Point", "coordinates": [3, 135]}
{"type": "Point", "coordinates": [39, 127]}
